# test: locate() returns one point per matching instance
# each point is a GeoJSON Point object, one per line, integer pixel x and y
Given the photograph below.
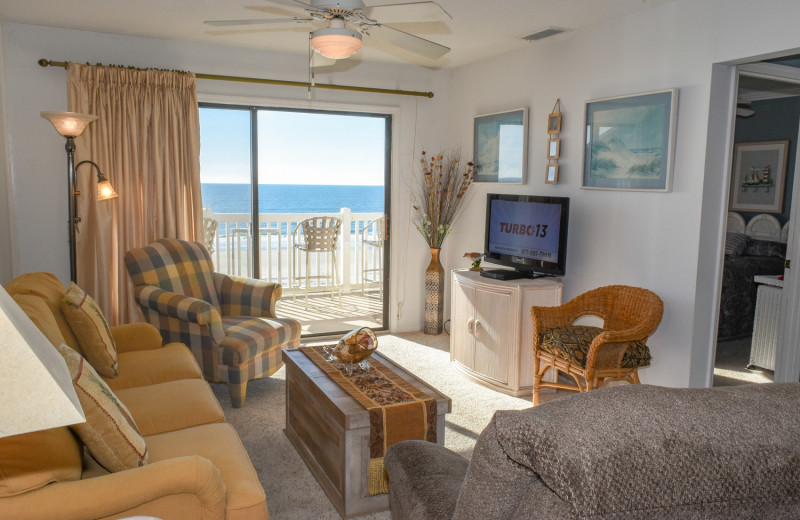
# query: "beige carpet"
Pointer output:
{"type": "Point", "coordinates": [292, 492]}
{"type": "Point", "coordinates": [733, 356]}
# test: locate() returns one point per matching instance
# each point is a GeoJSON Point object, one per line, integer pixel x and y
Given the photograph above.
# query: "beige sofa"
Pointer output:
{"type": "Point", "coordinates": [198, 468]}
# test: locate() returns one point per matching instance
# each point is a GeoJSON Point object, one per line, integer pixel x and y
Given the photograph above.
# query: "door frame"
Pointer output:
{"type": "Point", "coordinates": [722, 122]}
{"type": "Point", "coordinates": [391, 117]}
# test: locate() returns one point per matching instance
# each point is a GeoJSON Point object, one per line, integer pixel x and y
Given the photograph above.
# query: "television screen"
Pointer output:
{"type": "Point", "coordinates": [527, 233]}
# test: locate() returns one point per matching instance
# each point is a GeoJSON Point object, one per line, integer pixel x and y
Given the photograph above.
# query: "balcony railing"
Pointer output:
{"type": "Point", "coordinates": [358, 263]}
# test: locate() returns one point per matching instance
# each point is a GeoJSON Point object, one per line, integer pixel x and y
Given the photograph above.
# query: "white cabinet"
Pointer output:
{"type": "Point", "coordinates": [491, 333]}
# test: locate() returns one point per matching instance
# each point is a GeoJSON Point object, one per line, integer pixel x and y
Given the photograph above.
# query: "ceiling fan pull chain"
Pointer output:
{"type": "Point", "coordinates": [310, 67]}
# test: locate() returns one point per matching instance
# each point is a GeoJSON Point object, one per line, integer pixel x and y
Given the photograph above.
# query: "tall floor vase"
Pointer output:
{"type": "Point", "coordinates": [434, 294]}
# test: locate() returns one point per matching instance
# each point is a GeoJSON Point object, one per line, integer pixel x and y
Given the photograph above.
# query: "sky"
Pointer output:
{"type": "Point", "coordinates": [293, 147]}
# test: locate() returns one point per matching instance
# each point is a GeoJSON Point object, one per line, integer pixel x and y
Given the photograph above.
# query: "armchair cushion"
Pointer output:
{"type": "Point", "coordinates": [32, 460]}
{"type": "Point", "coordinates": [110, 434]}
{"type": "Point", "coordinates": [572, 343]}
{"type": "Point", "coordinates": [176, 266]}
{"type": "Point", "coordinates": [90, 327]}
{"type": "Point", "coordinates": [246, 337]}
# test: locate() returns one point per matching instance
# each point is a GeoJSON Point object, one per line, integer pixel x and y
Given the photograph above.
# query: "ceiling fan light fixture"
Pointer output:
{"type": "Point", "coordinates": [336, 42]}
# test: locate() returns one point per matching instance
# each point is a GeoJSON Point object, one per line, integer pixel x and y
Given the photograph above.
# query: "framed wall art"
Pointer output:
{"type": "Point", "coordinates": [554, 123]}
{"type": "Point", "coordinates": [630, 142]}
{"type": "Point", "coordinates": [759, 176]}
{"type": "Point", "coordinates": [551, 177]}
{"type": "Point", "coordinates": [553, 148]}
{"type": "Point", "coordinates": [500, 147]}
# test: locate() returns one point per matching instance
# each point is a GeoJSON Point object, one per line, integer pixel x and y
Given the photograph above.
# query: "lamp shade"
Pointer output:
{"type": "Point", "coordinates": [36, 391]}
{"type": "Point", "coordinates": [106, 191]}
{"type": "Point", "coordinates": [336, 42]}
{"type": "Point", "coordinates": [69, 124]}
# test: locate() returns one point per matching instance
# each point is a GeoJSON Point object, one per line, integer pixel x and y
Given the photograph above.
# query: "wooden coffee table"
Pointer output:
{"type": "Point", "coordinates": [330, 431]}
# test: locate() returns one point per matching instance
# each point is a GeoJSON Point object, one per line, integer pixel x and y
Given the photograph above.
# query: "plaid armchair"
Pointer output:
{"type": "Point", "coordinates": [228, 322]}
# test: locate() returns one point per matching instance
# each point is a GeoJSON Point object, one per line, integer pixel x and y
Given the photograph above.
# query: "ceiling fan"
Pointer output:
{"type": "Point", "coordinates": [345, 21]}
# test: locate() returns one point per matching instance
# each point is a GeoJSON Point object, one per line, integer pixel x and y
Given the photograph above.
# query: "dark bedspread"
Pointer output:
{"type": "Point", "coordinates": [738, 299]}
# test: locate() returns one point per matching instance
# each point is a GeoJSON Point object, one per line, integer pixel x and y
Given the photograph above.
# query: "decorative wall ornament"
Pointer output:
{"type": "Point", "coordinates": [553, 143]}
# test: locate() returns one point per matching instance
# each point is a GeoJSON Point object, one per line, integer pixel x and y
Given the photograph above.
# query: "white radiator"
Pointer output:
{"type": "Point", "coordinates": [765, 327]}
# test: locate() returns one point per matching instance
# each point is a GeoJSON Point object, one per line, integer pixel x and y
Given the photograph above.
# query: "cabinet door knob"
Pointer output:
{"type": "Point", "coordinates": [471, 326]}
{"type": "Point", "coordinates": [478, 327]}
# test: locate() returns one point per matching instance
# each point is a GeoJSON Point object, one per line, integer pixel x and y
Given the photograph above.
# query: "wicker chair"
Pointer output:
{"type": "Point", "coordinates": [594, 356]}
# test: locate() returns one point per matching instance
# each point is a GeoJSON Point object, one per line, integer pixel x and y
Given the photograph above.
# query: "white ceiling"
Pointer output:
{"type": "Point", "coordinates": [479, 29]}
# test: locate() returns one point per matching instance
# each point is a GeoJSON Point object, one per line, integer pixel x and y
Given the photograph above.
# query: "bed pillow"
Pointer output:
{"type": "Point", "coordinates": [766, 248]}
{"type": "Point", "coordinates": [109, 433]}
{"type": "Point", "coordinates": [90, 327]}
{"type": "Point", "coordinates": [735, 243]}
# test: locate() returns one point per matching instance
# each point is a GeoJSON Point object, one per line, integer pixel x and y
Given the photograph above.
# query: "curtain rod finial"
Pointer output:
{"type": "Point", "coordinates": [43, 62]}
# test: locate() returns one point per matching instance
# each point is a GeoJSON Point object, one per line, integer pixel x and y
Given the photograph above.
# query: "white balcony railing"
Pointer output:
{"type": "Point", "coordinates": [231, 248]}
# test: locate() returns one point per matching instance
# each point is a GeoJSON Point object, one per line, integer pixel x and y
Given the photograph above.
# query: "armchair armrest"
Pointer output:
{"type": "Point", "coordinates": [240, 296]}
{"type": "Point", "coordinates": [132, 337]}
{"type": "Point", "coordinates": [180, 307]}
{"type": "Point", "coordinates": [117, 494]}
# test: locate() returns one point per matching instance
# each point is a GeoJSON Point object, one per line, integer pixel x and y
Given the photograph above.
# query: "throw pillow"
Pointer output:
{"type": "Point", "coordinates": [110, 433]}
{"type": "Point", "coordinates": [766, 248]}
{"type": "Point", "coordinates": [89, 325]}
{"type": "Point", "coordinates": [735, 243]}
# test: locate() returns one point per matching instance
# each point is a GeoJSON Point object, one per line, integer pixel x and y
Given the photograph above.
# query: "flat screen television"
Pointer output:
{"type": "Point", "coordinates": [527, 233]}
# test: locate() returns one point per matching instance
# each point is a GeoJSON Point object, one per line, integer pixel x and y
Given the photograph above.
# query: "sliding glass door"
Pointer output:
{"type": "Point", "coordinates": [301, 169]}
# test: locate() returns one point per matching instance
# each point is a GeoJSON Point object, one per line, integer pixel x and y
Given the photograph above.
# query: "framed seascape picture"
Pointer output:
{"type": "Point", "coordinates": [630, 142]}
{"type": "Point", "coordinates": [500, 147]}
{"type": "Point", "coordinates": [759, 175]}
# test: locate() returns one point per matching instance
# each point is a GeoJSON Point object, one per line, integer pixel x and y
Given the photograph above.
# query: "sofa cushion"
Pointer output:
{"type": "Point", "coordinates": [51, 290]}
{"type": "Point", "coordinates": [90, 327]}
{"type": "Point", "coordinates": [572, 343]}
{"type": "Point", "coordinates": [32, 460]}
{"type": "Point", "coordinates": [220, 444]}
{"type": "Point", "coordinates": [637, 451]}
{"type": "Point", "coordinates": [173, 405]}
{"type": "Point", "coordinates": [171, 362]}
{"type": "Point", "coordinates": [40, 314]}
{"type": "Point", "coordinates": [110, 433]}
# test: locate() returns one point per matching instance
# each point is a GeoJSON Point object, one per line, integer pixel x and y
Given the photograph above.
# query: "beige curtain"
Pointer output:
{"type": "Point", "coordinates": [147, 142]}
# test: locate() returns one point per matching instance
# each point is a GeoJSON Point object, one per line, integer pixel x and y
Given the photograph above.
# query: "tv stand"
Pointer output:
{"type": "Point", "coordinates": [491, 332]}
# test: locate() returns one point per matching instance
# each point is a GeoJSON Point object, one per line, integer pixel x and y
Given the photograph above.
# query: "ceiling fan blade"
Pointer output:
{"type": "Point", "coordinates": [409, 42]}
{"type": "Point", "coordinates": [413, 12]}
{"type": "Point", "coordinates": [294, 3]}
{"type": "Point", "coordinates": [257, 21]}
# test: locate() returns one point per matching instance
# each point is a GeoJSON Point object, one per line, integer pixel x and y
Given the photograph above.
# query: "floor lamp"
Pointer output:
{"type": "Point", "coordinates": [71, 125]}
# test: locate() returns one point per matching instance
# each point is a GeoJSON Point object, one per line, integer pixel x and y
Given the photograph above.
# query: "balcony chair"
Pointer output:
{"type": "Point", "coordinates": [318, 235]}
{"type": "Point", "coordinates": [594, 356]}
{"type": "Point", "coordinates": [210, 226]}
{"type": "Point", "coordinates": [372, 237]}
{"type": "Point", "coordinates": [228, 322]}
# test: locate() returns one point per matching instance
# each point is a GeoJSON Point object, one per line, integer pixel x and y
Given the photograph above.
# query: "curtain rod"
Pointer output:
{"type": "Point", "coordinates": [241, 79]}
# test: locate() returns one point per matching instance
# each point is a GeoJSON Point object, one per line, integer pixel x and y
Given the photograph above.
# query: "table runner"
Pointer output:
{"type": "Point", "coordinates": [398, 410]}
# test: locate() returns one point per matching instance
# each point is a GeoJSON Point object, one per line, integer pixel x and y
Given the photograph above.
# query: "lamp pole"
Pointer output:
{"type": "Point", "coordinates": [72, 221]}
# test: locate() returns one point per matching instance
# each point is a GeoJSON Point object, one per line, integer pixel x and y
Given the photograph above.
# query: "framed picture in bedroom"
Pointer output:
{"type": "Point", "coordinates": [500, 145]}
{"type": "Point", "coordinates": [759, 176]}
{"type": "Point", "coordinates": [630, 142]}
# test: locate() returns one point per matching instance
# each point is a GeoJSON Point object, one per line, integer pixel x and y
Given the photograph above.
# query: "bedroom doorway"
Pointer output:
{"type": "Point", "coordinates": [753, 345]}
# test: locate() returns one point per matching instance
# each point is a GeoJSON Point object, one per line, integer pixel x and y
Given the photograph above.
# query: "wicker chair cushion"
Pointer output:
{"type": "Point", "coordinates": [572, 343]}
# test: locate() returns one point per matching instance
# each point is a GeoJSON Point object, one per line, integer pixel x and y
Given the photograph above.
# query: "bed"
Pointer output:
{"type": "Point", "coordinates": [755, 248]}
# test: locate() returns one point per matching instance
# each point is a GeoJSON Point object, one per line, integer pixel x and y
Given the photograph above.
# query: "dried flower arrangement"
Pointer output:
{"type": "Point", "coordinates": [438, 199]}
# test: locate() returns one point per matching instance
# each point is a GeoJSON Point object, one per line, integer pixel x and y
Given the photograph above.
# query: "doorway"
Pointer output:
{"type": "Point", "coordinates": [761, 201]}
{"type": "Point", "coordinates": [268, 175]}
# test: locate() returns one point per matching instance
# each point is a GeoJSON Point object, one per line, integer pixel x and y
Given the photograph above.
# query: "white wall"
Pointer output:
{"type": "Point", "coordinates": [6, 249]}
{"type": "Point", "coordinates": [649, 240]}
{"type": "Point", "coordinates": [39, 163]}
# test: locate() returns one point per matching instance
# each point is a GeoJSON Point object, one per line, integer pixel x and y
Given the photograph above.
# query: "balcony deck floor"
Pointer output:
{"type": "Point", "coordinates": [325, 316]}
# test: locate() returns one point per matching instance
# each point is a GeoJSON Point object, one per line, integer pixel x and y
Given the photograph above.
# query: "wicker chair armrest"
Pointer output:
{"type": "Point", "coordinates": [240, 296]}
{"type": "Point", "coordinates": [178, 306]}
{"type": "Point", "coordinates": [559, 316]}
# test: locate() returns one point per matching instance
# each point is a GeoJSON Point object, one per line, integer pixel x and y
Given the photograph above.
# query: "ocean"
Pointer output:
{"type": "Point", "coordinates": [293, 198]}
